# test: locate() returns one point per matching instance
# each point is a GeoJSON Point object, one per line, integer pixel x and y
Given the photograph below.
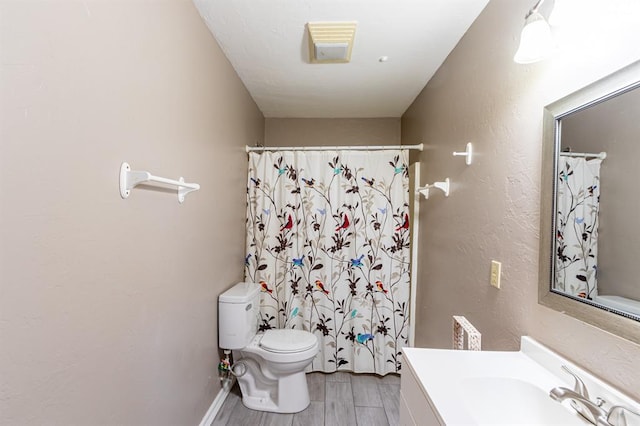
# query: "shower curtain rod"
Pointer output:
{"type": "Point", "coordinates": [600, 155]}
{"type": "Point", "coordinates": [248, 148]}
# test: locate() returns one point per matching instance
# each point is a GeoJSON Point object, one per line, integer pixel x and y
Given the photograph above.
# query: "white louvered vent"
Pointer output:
{"type": "Point", "coordinates": [330, 42]}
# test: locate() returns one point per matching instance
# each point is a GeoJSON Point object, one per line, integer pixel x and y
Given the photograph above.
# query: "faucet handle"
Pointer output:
{"type": "Point", "coordinates": [617, 415]}
{"type": "Point", "coordinates": [579, 386]}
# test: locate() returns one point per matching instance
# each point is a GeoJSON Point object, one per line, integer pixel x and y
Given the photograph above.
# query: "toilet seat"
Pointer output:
{"type": "Point", "coordinates": [287, 340]}
{"type": "Point", "coordinates": [280, 354]}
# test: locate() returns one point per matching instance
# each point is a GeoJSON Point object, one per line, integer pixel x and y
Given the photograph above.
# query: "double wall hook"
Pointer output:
{"type": "Point", "coordinates": [443, 186]}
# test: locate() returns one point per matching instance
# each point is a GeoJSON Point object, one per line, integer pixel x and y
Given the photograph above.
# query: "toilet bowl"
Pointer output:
{"type": "Point", "coordinates": [269, 365]}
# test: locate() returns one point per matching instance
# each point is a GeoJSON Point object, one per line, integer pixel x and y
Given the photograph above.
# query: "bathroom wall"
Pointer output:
{"type": "Point", "coordinates": [331, 131]}
{"type": "Point", "coordinates": [480, 95]}
{"type": "Point", "coordinates": [108, 306]}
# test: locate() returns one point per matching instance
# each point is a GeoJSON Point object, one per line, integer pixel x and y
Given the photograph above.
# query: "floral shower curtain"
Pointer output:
{"type": "Point", "coordinates": [578, 205]}
{"type": "Point", "coordinates": [328, 241]}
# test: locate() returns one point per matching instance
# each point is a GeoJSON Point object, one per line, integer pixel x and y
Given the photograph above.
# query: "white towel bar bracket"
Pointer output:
{"type": "Point", "coordinates": [468, 154]}
{"type": "Point", "coordinates": [130, 179]}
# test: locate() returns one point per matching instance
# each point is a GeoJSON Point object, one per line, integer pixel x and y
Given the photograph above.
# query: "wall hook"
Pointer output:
{"type": "Point", "coordinates": [468, 154]}
{"type": "Point", "coordinates": [443, 186]}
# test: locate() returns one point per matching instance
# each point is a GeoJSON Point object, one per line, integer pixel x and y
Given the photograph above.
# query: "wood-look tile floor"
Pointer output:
{"type": "Point", "coordinates": [337, 399]}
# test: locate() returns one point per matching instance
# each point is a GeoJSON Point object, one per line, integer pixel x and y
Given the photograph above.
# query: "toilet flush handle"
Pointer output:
{"type": "Point", "coordinates": [241, 367]}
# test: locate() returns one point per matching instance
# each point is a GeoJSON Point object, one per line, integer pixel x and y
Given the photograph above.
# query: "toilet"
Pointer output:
{"type": "Point", "coordinates": [269, 365]}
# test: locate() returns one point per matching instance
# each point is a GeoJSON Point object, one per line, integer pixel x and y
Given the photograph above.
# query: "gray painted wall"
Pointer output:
{"type": "Point", "coordinates": [331, 131]}
{"type": "Point", "coordinates": [108, 307]}
{"type": "Point", "coordinates": [480, 95]}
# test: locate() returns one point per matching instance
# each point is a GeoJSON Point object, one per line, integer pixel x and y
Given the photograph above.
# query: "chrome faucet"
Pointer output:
{"type": "Point", "coordinates": [588, 409]}
{"type": "Point", "coordinates": [592, 411]}
{"type": "Point", "coordinates": [579, 386]}
{"type": "Point", "coordinates": [617, 417]}
{"type": "Point", "coordinates": [579, 405]}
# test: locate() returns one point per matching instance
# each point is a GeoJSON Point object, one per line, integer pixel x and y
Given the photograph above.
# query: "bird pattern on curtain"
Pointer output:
{"type": "Point", "coordinates": [328, 241]}
{"type": "Point", "coordinates": [578, 207]}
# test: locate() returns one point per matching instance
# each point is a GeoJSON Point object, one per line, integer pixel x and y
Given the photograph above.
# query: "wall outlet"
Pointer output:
{"type": "Point", "coordinates": [495, 273]}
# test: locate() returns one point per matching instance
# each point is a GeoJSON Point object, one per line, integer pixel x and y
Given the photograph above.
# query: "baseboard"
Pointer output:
{"type": "Point", "coordinates": [212, 412]}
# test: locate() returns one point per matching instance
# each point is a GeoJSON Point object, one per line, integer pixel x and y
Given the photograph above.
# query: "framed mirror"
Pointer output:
{"type": "Point", "coordinates": [590, 199]}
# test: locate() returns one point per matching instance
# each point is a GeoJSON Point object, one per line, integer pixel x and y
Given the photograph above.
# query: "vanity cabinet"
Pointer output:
{"type": "Point", "coordinates": [415, 406]}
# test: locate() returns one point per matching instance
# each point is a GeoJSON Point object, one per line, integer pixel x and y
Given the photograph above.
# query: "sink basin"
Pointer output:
{"type": "Point", "coordinates": [496, 387]}
{"type": "Point", "coordinates": [500, 400]}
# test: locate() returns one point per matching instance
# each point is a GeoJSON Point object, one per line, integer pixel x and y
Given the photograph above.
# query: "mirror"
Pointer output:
{"type": "Point", "coordinates": [590, 239]}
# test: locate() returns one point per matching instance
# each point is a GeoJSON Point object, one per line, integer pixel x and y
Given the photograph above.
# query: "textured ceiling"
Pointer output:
{"type": "Point", "coordinates": [266, 42]}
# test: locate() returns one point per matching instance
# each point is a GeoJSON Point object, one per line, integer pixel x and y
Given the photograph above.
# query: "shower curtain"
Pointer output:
{"type": "Point", "coordinates": [328, 241]}
{"type": "Point", "coordinates": [578, 205]}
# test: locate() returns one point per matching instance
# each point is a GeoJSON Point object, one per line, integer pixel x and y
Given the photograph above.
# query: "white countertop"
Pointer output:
{"type": "Point", "coordinates": [486, 387]}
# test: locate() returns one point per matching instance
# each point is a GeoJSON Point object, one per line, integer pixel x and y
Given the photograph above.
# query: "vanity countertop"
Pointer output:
{"type": "Point", "coordinates": [485, 387]}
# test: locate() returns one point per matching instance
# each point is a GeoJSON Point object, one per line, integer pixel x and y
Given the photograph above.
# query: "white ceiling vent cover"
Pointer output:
{"type": "Point", "coordinates": [330, 42]}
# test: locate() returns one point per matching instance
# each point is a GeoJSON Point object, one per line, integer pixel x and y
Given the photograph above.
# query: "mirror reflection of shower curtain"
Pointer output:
{"type": "Point", "coordinates": [578, 206]}
{"type": "Point", "coordinates": [328, 240]}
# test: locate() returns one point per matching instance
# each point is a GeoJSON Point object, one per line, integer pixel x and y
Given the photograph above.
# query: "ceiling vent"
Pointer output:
{"type": "Point", "coordinates": [330, 42]}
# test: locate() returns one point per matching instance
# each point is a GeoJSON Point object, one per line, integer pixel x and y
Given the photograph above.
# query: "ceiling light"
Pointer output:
{"type": "Point", "coordinates": [562, 9]}
{"type": "Point", "coordinates": [536, 42]}
{"type": "Point", "coordinates": [330, 42]}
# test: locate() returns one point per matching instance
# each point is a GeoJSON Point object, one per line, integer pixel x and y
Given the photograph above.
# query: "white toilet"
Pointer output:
{"type": "Point", "coordinates": [269, 365]}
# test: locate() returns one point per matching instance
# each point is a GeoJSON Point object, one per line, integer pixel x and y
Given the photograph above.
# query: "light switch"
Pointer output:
{"type": "Point", "coordinates": [495, 273]}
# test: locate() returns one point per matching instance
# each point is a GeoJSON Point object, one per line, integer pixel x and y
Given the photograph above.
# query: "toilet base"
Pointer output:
{"type": "Point", "coordinates": [288, 394]}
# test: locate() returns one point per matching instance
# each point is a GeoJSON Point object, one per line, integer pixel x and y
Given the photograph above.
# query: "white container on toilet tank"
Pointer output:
{"type": "Point", "coordinates": [238, 315]}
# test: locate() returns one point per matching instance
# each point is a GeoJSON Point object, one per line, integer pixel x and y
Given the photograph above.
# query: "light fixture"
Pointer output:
{"type": "Point", "coordinates": [536, 42]}
{"type": "Point", "coordinates": [562, 11]}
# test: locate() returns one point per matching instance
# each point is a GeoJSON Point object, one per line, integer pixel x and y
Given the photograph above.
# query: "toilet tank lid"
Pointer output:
{"type": "Point", "coordinates": [240, 293]}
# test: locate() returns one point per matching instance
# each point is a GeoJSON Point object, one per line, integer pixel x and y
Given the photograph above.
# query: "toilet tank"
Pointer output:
{"type": "Point", "coordinates": [238, 315]}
